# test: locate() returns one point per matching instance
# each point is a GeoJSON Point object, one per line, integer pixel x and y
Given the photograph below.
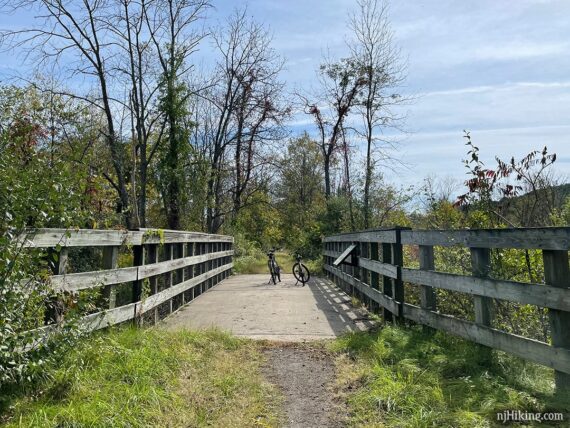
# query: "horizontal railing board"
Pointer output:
{"type": "Point", "coordinates": [78, 238]}
{"type": "Point", "coordinates": [127, 312]}
{"type": "Point", "coordinates": [386, 236]}
{"type": "Point", "coordinates": [84, 280]}
{"type": "Point", "coordinates": [533, 350]}
{"type": "Point", "coordinates": [109, 317]}
{"type": "Point", "coordinates": [529, 294]}
{"type": "Point", "coordinates": [156, 299]}
{"type": "Point", "coordinates": [372, 293]}
{"type": "Point", "coordinates": [183, 237]}
{"type": "Point", "coordinates": [547, 238]}
{"type": "Point", "coordinates": [149, 270]}
{"type": "Point", "coordinates": [385, 269]}
{"type": "Point", "coordinates": [44, 238]}
{"type": "Point", "coordinates": [550, 238]}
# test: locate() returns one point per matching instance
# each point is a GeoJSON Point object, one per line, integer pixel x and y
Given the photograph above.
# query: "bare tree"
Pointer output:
{"type": "Point", "coordinates": [137, 66]}
{"type": "Point", "coordinates": [249, 113]}
{"type": "Point", "coordinates": [379, 61]}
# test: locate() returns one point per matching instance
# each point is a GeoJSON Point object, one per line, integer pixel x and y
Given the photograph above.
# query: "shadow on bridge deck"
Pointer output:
{"type": "Point", "coordinates": [247, 306]}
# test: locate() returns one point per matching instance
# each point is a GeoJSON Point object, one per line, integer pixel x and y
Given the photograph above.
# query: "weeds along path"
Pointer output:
{"type": "Point", "coordinates": [305, 376]}
{"type": "Point", "coordinates": [294, 320]}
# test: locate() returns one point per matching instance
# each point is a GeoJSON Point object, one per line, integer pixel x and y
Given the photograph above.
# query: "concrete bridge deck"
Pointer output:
{"type": "Point", "coordinates": [248, 306]}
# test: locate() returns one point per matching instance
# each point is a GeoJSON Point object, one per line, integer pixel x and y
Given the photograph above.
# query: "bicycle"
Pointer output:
{"type": "Point", "coordinates": [300, 271]}
{"type": "Point", "coordinates": [274, 268]}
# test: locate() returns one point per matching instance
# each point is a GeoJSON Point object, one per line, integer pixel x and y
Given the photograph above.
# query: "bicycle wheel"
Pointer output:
{"type": "Point", "coordinates": [301, 273]}
{"type": "Point", "coordinates": [272, 272]}
{"type": "Point", "coordinates": [278, 271]}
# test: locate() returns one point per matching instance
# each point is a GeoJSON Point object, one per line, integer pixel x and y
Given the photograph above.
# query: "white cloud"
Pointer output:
{"type": "Point", "coordinates": [512, 50]}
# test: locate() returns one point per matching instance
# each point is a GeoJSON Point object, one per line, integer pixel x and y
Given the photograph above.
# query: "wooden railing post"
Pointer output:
{"type": "Point", "coordinates": [481, 267]}
{"type": "Point", "coordinates": [483, 306]}
{"type": "Point", "coordinates": [398, 260]}
{"type": "Point", "coordinates": [557, 274]}
{"type": "Point", "coordinates": [171, 275]}
{"type": "Point", "coordinates": [387, 285]}
{"type": "Point", "coordinates": [364, 252]}
{"type": "Point", "coordinates": [357, 272]}
{"type": "Point", "coordinates": [110, 261]}
{"type": "Point", "coordinates": [54, 310]}
{"type": "Point", "coordinates": [427, 262]}
{"type": "Point", "coordinates": [374, 277]}
{"type": "Point", "coordinates": [153, 257]}
{"type": "Point", "coordinates": [138, 260]}
{"type": "Point", "coordinates": [183, 278]}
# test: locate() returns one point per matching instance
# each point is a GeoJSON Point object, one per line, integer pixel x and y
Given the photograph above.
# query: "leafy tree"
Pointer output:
{"type": "Point", "coordinates": [37, 189]}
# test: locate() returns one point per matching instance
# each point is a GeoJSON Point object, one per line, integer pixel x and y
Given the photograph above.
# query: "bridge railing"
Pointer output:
{"type": "Point", "coordinates": [378, 275]}
{"type": "Point", "coordinates": [161, 270]}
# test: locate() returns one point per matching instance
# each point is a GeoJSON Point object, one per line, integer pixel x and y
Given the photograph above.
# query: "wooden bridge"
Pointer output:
{"type": "Point", "coordinates": [147, 275]}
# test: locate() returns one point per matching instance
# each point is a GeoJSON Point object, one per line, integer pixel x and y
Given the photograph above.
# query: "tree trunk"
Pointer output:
{"type": "Point", "coordinates": [327, 161]}
{"type": "Point", "coordinates": [367, 183]}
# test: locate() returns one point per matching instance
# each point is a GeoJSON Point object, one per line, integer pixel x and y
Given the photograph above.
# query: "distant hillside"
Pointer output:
{"type": "Point", "coordinates": [557, 193]}
{"type": "Point", "coordinates": [528, 211]}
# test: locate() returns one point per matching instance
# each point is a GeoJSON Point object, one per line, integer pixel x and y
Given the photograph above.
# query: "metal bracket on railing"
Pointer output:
{"type": "Point", "coordinates": [348, 257]}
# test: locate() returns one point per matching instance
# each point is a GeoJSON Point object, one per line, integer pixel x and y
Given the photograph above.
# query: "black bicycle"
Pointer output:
{"type": "Point", "coordinates": [274, 268]}
{"type": "Point", "coordinates": [301, 272]}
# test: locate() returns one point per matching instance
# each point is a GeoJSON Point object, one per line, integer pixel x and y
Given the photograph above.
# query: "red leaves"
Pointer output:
{"type": "Point", "coordinates": [485, 182]}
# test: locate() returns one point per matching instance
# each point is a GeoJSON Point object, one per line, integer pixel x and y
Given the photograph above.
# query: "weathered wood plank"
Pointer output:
{"type": "Point", "coordinates": [481, 267]}
{"type": "Point", "coordinates": [387, 283]}
{"type": "Point", "coordinates": [44, 238]}
{"type": "Point", "coordinates": [532, 350]}
{"type": "Point", "coordinates": [110, 260]}
{"type": "Point", "coordinates": [399, 290]}
{"type": "Point", "coordinates": [127, 312]}
{"type": "Point", "coordinates": [109, 317]}
{"type": "Point", "coordinates": [557, 273]}
{"type": "Point", "coordinates": [167, 294]}
{"type": "Point", "coordinates": [387, 236]}
{"type": "Point", "coordinates": [81, 281]}
{"type": "Point", "coordinates": [376, 295]}
{"type": "Point", "coordinates": [171, 265]}
{"type": "Point", "coordinates": [179, 236]}
{"type": "Point", "coordinates": [427, 263]}
{"type": "Point", "coordinates": [521, 292]}
{"type": "Point", "coordinates": [548, 238]}
{"type": "Point", "coordinates": [385, 269]}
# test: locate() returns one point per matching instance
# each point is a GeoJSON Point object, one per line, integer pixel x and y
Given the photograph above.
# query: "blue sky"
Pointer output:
{"type": "Point", "coordinates": [499, 68]}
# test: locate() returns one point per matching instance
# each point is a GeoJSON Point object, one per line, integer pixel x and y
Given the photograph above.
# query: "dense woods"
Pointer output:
{"type": "Point", "coordinates": [116, 126]}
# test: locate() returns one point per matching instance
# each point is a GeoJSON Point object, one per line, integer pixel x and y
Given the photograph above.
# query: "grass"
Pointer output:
{"type": "Point", "coordinates": [408, 377]}
{"type": "Point", "coordinates": [258, 264]}
{"type": "Point", "coordinates": [142, 378]}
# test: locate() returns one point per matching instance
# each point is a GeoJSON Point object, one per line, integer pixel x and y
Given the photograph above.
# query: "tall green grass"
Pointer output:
{"type": "Point", "coordinates": [142, 378]}
{"type": "Point", "coordinates": [408, 377]}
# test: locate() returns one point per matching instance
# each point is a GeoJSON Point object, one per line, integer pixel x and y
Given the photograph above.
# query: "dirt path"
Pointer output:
{"type": "Point", "coordinates": [305, 377]}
